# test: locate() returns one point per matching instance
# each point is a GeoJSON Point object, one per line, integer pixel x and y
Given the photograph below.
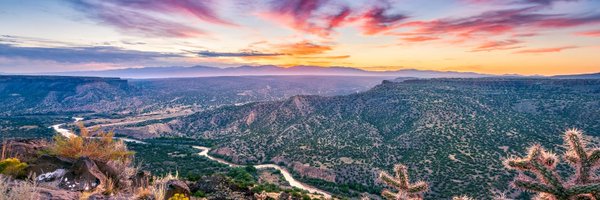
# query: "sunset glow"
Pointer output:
{"type": "Point", "coordinates": [526, 37]}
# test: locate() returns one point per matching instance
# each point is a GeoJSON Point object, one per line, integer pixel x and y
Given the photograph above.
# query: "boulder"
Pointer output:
{"type": "Point", "coordinates": [176, 187]}
{"type": "Point", "coordinates": [117, 172]}
{"type": "Point", "coordinates": [51, 176]}
{"type": "Point", "coordinates": [25, 150]}
{"type": "Point", "coordinates": [47, 164]}
{"type": "Point", "coordinates": [83, 176]}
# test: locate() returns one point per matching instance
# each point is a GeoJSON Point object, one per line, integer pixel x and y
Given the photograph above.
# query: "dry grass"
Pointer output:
{"type": "Point", "coordinates": [96, 144]}
{"type": "Point", "coordinates": [159, 190]}
{"type": "Point", "coordinates": [144, 194]}
{"type": "Point", "coordinates": [110, 187]}
{"type": "Point", "coordinates": [22, 190]}
{"type": "Point", "coordinates": [159, 185]}
{"type": "Point", "coordinates": [85, 195]}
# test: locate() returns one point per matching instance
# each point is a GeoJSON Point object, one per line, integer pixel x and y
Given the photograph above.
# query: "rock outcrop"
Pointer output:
{"type": "Point", "coordinates": [177, 187]}
{"type": "Point", "coordinates": [83, 176]}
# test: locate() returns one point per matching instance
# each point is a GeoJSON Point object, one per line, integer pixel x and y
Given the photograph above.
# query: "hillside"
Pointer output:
{"type": "Point", "coordinates": [62, 94]}
{"type": "Point", "coordinates": [452, 133]}
{"type": "Point", "coordinates": [47, 94]}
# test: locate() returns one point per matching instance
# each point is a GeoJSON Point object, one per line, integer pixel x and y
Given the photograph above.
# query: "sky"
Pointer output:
{"type": "Point", "coordinates": [529, 37]}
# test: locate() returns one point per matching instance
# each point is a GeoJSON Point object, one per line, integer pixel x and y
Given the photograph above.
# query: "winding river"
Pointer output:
{"type": "Point", "coordinates": [286, 174]}
{"type": "Point", "coordinates": [204, 152]}
{"type": "Point", "coordinates": [68, 133]}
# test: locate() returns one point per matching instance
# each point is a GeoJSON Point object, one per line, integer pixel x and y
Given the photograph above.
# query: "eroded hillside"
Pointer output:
{"type": "Point", "coordinates": [453, 132]}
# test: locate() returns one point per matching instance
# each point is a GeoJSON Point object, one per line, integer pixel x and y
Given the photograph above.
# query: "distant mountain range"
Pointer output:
{"type": "Point", "coordinates": [264, 70]}
{"type": "Point", "coordinates": [579, 76]}
{"type": "Point", "coordinates": [272, 70]}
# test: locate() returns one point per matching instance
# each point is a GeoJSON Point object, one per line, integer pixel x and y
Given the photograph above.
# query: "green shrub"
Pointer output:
{"type": "Point", "coordinates": [12, 167]}
{"type": "Point", "coordinates": [199, 194]}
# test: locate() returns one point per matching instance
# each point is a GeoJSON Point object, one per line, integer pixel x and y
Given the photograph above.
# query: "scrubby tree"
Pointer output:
{"type": "Point", "coordinates": [544, 179]}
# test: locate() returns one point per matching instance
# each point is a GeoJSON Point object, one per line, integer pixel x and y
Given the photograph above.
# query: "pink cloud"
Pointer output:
{"type": "Point", "coordinates": [545, 50]}
{"type": "Point", "coordinates": [595, 33]}
{"type": "Point", "coordinates": [202, 10]}
{"type": "Point", "coordinates": [379, 19]}
{"type": "Point", "coordinates": [523, 22]}
{"type": "Point", "coordinates": [133, 16]}
{"type": "Point", "coordinates": [321, 17]}
{"type": "Point", "coordinates": [498, 45]}
{"type": "Point", "coordinates": [135, 22]}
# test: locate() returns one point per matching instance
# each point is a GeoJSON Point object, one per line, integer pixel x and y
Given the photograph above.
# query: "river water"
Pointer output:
{"type": "Point", "coordinates": [286, 174]}
{"type": "Point", "coordinates": [204, 152]}
{"type": "Point", "coordinates": [68, 133]}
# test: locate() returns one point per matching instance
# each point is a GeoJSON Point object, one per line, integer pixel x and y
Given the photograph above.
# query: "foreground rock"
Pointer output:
{"type": "Point", "coordinates": [83, 176]}
{"type": "Point", "coordinates": [177, 187]}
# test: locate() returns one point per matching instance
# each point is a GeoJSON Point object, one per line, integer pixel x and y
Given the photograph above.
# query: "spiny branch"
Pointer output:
{"type": "Point", "coordinates": [549, 185]}
{"type": "Point", "coordinates": [400, 182]}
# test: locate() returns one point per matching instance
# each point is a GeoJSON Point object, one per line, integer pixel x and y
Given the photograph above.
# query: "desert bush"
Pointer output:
{"type": "Point", "coordinates": [538, 173]}
{"type": "Point", "coordinates": [179, 197]}
{"type": "Point", "coordinates": [97, 145]}
{"type": "Point", "coordinates": [12, 167]}
{"type": "Point", "coordinates": [22, 190]}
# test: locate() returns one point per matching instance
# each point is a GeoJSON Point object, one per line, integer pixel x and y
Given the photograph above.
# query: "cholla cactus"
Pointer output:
{"type": "Point", "coordinates": [400, 182]}
{"type": "Point", "coordinates": [548, 183]}
{"type": "Point", "coordinates": [464, 197]}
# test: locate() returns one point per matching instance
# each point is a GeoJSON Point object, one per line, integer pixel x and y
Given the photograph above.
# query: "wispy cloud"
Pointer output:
{"type": "Point", "coordinates": [236, 54]}
{"type": "Point", "coordinates": [141, 17]}
{"type": "Point", "coordinates": [498, 45]}
{"type": "Point", "coordinates": [498, 22]}
{"type": "Point", "coordinates": [419, 38]}
{"type": "Point", "coordinates": [302, 48]}
{"type": "Point", "coordinates": [594, 33]}
{"type": "Point", "coordinates": [380, 19]}
{"type": "Point", "coordinates": [545, 50]}
{"type": "Point", "coordinates": [322, 17]}
{"type": "Point", "coordinates": [529, 2]}
{"type": "Point", "coordinates": [97, 54]}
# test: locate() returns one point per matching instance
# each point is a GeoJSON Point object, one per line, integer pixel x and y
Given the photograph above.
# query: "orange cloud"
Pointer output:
{"type": "Point", "coordinates": [419, 39]}
{"type": "Point", "coordinates": [302, 48]}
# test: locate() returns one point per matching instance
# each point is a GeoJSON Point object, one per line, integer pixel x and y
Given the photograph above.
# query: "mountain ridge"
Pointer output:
{"type": "Point", "coordinates": [264, 70]}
